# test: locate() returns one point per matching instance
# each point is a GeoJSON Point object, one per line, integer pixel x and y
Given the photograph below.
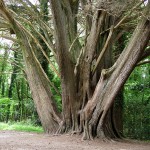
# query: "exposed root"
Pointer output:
{"type": "Point", "coordinates": [75, 132]}
{"type": "Point", "coordinates": [106, 140]}
{"type": "Point", "coordinates": [85, 116]}
{"type": "Point", "coordinates": [87, 134]}
{"type": "Point", "coordinates": [56, 134]}
{"type": "Point", "coordinates": [61, 128]}
{"type": "Point", "coordinates": [105, 137]}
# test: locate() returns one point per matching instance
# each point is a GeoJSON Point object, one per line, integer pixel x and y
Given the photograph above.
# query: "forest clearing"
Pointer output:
{"type": "Point", "coordinates": [12, 140]}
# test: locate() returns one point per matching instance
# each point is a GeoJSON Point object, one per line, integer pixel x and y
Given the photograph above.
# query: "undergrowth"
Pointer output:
{"type": "Point", "coordinates": [20, 126]}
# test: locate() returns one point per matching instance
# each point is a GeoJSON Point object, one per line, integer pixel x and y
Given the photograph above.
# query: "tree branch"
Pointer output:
{"type": "Point", "coordinates": [143, 63]}
{"type": "Point", "coordinates": [104, 49]}
{"type": "Point", "coordinates": [9, 38]}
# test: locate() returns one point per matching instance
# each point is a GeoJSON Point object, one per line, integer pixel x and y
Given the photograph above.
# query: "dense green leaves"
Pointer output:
{"type": "Point", "coordinates": [137, 104]}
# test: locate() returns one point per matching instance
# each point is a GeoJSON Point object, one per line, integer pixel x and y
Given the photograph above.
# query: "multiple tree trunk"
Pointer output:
{"type": "Point", "coordinates": [88, 92]}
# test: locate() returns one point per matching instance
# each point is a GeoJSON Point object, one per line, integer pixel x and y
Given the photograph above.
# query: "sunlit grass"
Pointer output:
{"type": "Point", "coordinates": [20, 126]}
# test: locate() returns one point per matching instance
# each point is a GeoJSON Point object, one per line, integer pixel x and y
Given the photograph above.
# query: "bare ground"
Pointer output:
{"type": "Point", "coordinates": [12, 140]}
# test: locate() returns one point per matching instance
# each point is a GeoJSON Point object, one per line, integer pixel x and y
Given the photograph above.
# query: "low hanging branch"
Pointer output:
{"type": "Point", "coordinates": [36, 41]}
{"type": "Point", "coordinates": [49, 44]}
{"type": "Point", "coordinates": [143, 63]}
{"type": "Point", "coordinates": [76, 38]}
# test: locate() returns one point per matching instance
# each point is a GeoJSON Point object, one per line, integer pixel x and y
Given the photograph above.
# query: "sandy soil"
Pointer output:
{"type": "Point", "coordinates": [12, 140]}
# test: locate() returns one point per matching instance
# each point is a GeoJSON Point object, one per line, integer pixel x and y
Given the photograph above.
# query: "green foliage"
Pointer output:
{"type": "Point", "coordinates": [137, 104]}
{"type": "Point", "coordinates": [56, 81]}
{"type": "Point", "coordinates": [4, 101]}
{"type": "Point", "coordinates": [4, 104]}
{"type": "Point", "coordinates": [21, 126]}
{"type": "Point", "coordinates": [58, 102]}
{"type": "Point", "coordinates": [13, 110]}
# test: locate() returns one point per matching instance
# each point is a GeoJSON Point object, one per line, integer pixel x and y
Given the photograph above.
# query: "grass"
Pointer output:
{"type": "Point", "coordinates": [20, 126]}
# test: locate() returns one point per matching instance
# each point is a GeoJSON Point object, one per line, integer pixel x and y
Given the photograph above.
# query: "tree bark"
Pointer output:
{"type": "Point", "coordinates": [66, 64]}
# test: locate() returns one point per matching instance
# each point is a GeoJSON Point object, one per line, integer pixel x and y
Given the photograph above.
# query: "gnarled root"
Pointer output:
{"type": "Point", "coordinates": [75, 132]}
{"type": "Point", "coordinates": [61, 128]}
{"type": "Point", "coordinates": [87, 134]}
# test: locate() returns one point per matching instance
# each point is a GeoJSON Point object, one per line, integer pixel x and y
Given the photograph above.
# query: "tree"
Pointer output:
{"type": "Point", "coordinates": [90, 79]}
{"type": "Point", "coordinates": [137, 102]}
{"type": "Point", "coordinates": [4, 62]}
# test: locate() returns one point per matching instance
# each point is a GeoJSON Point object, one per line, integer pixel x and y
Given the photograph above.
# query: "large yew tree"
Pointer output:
{"type": "Point", "coordinates": [81, 35]}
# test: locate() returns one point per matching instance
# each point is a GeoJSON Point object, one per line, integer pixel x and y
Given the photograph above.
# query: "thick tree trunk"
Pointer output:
{"type": "Point", "coordinates": [96, 111]}
{"type": "Point", "coordinates": [41, 95]}
{"type": "Point", "coordinates": [66, 65]}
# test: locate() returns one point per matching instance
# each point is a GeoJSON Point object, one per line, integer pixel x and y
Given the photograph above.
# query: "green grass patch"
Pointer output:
{"type": "Point", "coordinates": [20, 126]}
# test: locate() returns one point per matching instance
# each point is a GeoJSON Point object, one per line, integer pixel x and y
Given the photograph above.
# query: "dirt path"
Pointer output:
{"type": "Point", "coordinates": [12, 140]}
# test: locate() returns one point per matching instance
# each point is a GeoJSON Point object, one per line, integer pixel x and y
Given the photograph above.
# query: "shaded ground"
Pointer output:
{"type": "Point", "coordinates": [12, 140]}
